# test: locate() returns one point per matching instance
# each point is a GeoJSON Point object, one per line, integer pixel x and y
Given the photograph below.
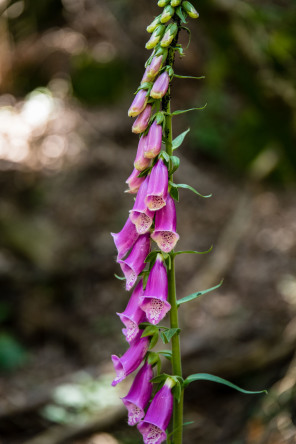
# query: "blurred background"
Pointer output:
{"type": "Point", "coordinates": [68, 71]}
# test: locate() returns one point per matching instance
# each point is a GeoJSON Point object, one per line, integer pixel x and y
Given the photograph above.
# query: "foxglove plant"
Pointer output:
{"type": "Point", "coordinates": [153, 217]}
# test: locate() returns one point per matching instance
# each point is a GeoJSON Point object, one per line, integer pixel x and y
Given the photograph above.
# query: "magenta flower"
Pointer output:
{"type": "Point", "coordinates": [125, 239]}
{"type": "Point", "coordinates": [134, 182]}
{"type": "Point", "coordinates": [154, 140]}
{"type": "Point", "coordinates": [141, 162]}
{"type": "Point", "coordinates": [141, 122]}
{"type": "Point", "coordinates": [158, 416]}
{"type": "Point", "coordinates": [160, 86]}
{"type": "Point", "coordinates": [131, 359]}
{"type": "Point", "coordinates": [140, 215]}
{"type": "Point", "coordinates": [157, 191]}
{"type": "Point", "coordinates": [134, 263]}
{"type": "Point", "coordinates": [139, 395]}
{"type": "Point", "coordinates": [133, 315]}
{"type": "Point", "coordinates": [153, 69]}
{"type": "Point", "coordinates": [139, 103]}
{"type": "Point", "coordinates": [165, 226]}
{"type": "Point", "coordinates": [154, 301]}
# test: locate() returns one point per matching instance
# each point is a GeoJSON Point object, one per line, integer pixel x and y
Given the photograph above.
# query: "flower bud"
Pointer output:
{"type": "Point", "coordinates": [167, 14]}
{"type": "Point", "coordinates": [153, 69]}
{"type": "Point", "coordinates": [163, 3]}
{"type": "Point", "coordinates": [154, 140]}
{"type": "Point", "coordinates": [134, 182]}
{"type": "Point", "coordinates": [160, 86]}
{"type": "Point", "coordinates": [157, 191]}
{"type": "Point", "coordinates": [141, 162]}
{"type": "Point", "coordinates": [155, 37]}
{"type": "Point", "coordinates": [169, 35]}
{"type": "Point", "coordinates": [139, 103]}
{"type": "Point", "coordinates": [190, 9]}
{"type": "Point", "coordinates": [175, 3]}
{"type": "Point", "coordinates": [153, 25]}
{"type": "Point", "coordinates": [141, 122]}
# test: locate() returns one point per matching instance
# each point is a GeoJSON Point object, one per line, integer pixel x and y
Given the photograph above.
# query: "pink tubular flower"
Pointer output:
{"type": "Point", "coordinates": [153, 69]}
{"type": "Point", "coordinates": [139, 103]}
{"type": "Point", "coordinates": [160, 86]}
{"type": "Point", "coordinates": [141, 122]}
{"type": "Point", "coordinates": [154, 140]}
{"type": "Point", "coordinates": [134, 263]}
{"type": "Point", "coordinates": [165, 226]}
{"type": "Point", "coordinates": [154, 302]}
{"type": "Point", "coordinates": [125, 239]}
{"type": "Point", "coordinates": [157, 191]}
{"type": "Point", "coordinates": [131, 359]}
{"type": "Point", "coordinates": [157, 417]}
{"type": "Point", "coordinates": [141, 162]}
{"type": "Point", "coordinates": [140, 215]}
{"type": "Point", "coordinates": [134, 182]}
{"type": "Point", "coordinates": [139, 395]}
{"type": "Point", "coordinates": [133, 315]}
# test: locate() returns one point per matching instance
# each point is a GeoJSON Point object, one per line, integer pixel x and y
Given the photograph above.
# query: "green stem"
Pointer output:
{"type": "Point", "coordinates": [174, 323]}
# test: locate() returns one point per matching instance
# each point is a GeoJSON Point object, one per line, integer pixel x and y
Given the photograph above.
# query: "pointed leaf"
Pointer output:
{"type": "Point", "coordinates": [166, 353]}
{"type": "Point", "coordinates": [174, 193]}
{"type": "Point", "coordinates": [208, 377]}
{"type": "Point", "coordinates": [154, 340]}
{"type": "Point", "coordinates": [177, 113]}
{"type": "Point", "coordinates": [160, 378]}
{"type": "Point", "coordinates": [178, 76]}
{"type": "Point", "coordinates": [170, 333]}
{"type": "Point", "coordinates": [192, 251]}
{"type": "Point", "coordinates": [181, 14]}
{"type": "Point", "coordinates": [159, 118]}
{"type": "Point", "coordinates": [188, 187]}
{"type": "Point", "coordinates": [150, 330]}
{"type": "Point", "coordinates": [153, 358]}
{"type": "Point", "coordinates": [193, 296]}
{"type": "Point", "coordinates": [175, 162]}
{"type": "Point", "coordinates": [144, 172]}
{"type": "Point", "coordinates": [179, 139]}
{"type": "Point", "coordinates": [163, 338]}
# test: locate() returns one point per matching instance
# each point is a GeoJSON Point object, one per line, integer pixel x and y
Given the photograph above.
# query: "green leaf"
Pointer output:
{"type": "Point", "coordinates": [166, 353]}
{"type": "Point", "coordinates": [208, 377]}
{"type": "Point", "coordinates": [120, 278]}
{"type": "Point", "coordinates": [188, 187]}
{"type": "Point", "coordinates": [145, 278]}
{"type": "Point", "coordinates": [154, 340]}
{"type": "Point", "coordinates": [177, 113]}
{"type": "Point", "coordinates": [178, 76]}
{"type": "Point", "coordinates": [150, 330]}
{"type": "Point", "coordinates": [177, 428]}
{"type": "Point", "coordinates": [153, 358]}
{"type": "Point", "coordinates": [179, 139]}
{"type": "Point", "coordinates": [144, 172]}
{"type": "Point", "coordinates": [193, 296]}
{"type": "Point", "coordinates": [159, 118]}
{"type": "Point", "coordinates": [174, 193]}
{"type": "Point", "coordinates": [167, 335]}
{"type": "Point", "coordinates": [165, 156]}
{"type": "Point", "coordinates": [175, 162]}
{"type": "Point", "coordinates": [192, 251]}
{"type": "Point", "coordinates": [181, 14]}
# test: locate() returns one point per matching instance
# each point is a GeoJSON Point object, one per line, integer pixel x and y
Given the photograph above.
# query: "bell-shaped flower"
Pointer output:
{"type": "Point", "coordinates": [133, 315]}
{"type": "Point", "coordinates": [154, 140]}
{"type": "Point", "coordinates": [157, 191]}
{"type": "Point", "coordinates": [154, 301]}
{"type": "Point", "coordinates": [141, 122]}
{"type": "Point", "coordinates": [132, 358]}
{"type": "Point", "coordinates": [158, 416]}
{"type": "Point", "coordinates": [165, 226]}
{"type": "Point", "coordinates": [160, 86]}
{"type": "Point", "coordinates": [139, 395]}
{"type": "Point", "coordinates": [125, 239]}
{"type": "Point", "coordinates": [140, 215]}
{"type": "Point", "coordinates": [134, 263]}
{"type": "Point", "coordinates": [134, 182]}
{"type": "Point", "coordinates": [139, 103]}
{"type": "Point", "coordinates": [141, 162]}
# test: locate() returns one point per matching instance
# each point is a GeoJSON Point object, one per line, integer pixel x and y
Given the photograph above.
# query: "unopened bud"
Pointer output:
{"type": "Point", "coordinates": [163, 3]}
{"type": "Point", "coordinates": [190, 9]}
{"type": "Point", "coordinates": [167, 14]}
{"type": "Point", "coordinates": [139, 103]}
{"type": "Point", "coordinates": [155, 37]}
{"type": "Point", "coordinates": [153, 69]}
{"type": "Point", "coordinates": [153, 25]}
{"type": "Point", "coordinates": [153, 142]}
{"type": "Point", "coordinates": [169, 35]}
{"type": "Point", "coordinates": [160, 87]}
{"type": "Point", "coordinates": [175, 3]}
{"type": "Point", "coordinates": [141, 122]}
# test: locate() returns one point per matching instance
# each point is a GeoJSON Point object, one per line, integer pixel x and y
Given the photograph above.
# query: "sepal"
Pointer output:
{"type": "Point", "coordinates": [181, 14]}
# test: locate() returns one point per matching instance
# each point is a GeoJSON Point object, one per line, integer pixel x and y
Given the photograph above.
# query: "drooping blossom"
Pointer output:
{"type": "Point", "coordinates": [125, 239]}
{"type": "Point", "coordinates": [154, 140]}
{"type": "Point", "coordinates": [141, 122]}
{"type": "Point", "coordinates": [134, 263]}
{"type": "Point", "coordinates": [140, 215]}
{"type": "Point", "coordinates": [139, 395]}
{"type": "Point", "coordinates": [134, 182]}
{"type": "Point", "coordinates": [139, 103]}
{"type": "Point", "coordinates": [154, 301]}
{"type": "Point", "coordinates": [160, 86]}
{"type": "Point", "coordinates": [133, 315]}
{"type": "Point", "coordinates": [141, 162]}
{"type": "Point", "coordinates": [132, 358]}
{"type": "Point", "coordinates": [165, 226]}
{"type": "Point", "coordinates": [158, 187]}
{"type": "Point", "coordinates": [153, 427]}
